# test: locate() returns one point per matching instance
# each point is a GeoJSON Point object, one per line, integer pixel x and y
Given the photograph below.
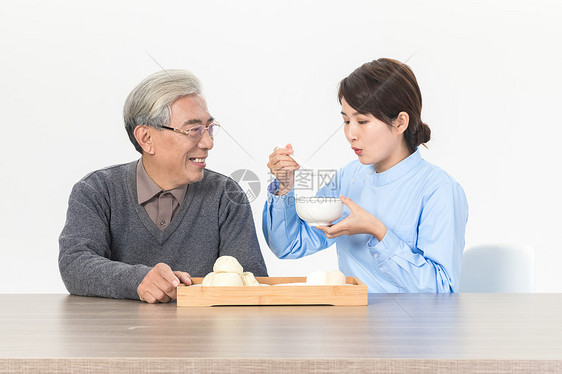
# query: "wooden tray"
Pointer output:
{"type": "Point", "coordinates": [354, 293]}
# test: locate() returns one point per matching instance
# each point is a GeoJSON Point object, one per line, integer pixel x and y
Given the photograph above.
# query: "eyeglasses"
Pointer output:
{"type": "Point", "coordinates": [196, 133]}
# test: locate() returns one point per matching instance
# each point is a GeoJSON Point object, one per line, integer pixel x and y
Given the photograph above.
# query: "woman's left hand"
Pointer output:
{"type": "Point", "coordinates": [359, 221]}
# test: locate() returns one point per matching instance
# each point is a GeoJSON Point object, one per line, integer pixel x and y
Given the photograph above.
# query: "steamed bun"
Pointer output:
{"type": "Point", "coordinates": [227, 264]}
{"type": "Point", "coordinates": [227, 271]}
{"type": "Point", "coordinates": [322, 278]}
{"type": "Point", "coordinates": [249, 280]}
{"type": "Point", "coordinates": [335, 277]}
{"type": "Point", "coordinates": [226, 279]}
{"type": "Point", "coordinates": [317, 278]}
{"type": "Point", "coordinates": [208, 280]}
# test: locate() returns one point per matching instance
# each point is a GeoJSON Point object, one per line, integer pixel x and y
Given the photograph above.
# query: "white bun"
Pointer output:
{"type": "Point", "coordinates": [317, 278]}
{"type": "Point", "coordinates": [226, 279]}
{"type": "Point", "coordinates": [227, 264]}
{"type": "Point", "coordinates": [335, 277]}
{"type": "Point", "coordinates": [249, 280]}
{"type": "Point", "coordinates": [208, 280]}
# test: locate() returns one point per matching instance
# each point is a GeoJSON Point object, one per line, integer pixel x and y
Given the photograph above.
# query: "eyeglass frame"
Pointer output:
{"type": "Point", "coordinates": [187, 132]}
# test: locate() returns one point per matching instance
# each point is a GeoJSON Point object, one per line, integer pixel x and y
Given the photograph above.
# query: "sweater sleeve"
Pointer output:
{"type": "Point", "coordinates": [237, 230]}
{"type": "Point", "coordinates": [85, 249]}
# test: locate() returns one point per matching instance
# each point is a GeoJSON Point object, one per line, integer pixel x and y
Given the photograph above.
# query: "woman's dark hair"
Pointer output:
{"type": "Point", "coordinates": [384, 88]}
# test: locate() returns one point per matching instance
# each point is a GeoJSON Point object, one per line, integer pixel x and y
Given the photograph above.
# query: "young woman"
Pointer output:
{"type": "Point", "coordinates": [404, 219]}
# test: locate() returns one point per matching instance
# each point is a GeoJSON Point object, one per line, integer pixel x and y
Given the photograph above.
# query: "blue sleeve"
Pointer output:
{"type": "Point", "coordinates": [286, 234]}
{"type": "Point", "coordinates": [434, 265]}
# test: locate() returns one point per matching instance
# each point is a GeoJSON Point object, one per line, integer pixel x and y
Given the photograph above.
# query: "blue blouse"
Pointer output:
{"type": "Point", "coordinates": [425, 212]}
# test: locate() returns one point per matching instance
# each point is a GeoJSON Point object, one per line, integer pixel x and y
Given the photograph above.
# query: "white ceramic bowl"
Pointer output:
{"type": "Point", "coordinates": [319, 210]}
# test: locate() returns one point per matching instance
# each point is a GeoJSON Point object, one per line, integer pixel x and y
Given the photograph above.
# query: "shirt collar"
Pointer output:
{"type": "Point", "coordinates": [147, 188]}
{"type": "Point", "coordinates": [397, 171]}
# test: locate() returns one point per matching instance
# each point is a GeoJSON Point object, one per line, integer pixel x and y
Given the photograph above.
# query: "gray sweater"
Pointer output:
{"type": "Point", "coordinates": [109, 243]}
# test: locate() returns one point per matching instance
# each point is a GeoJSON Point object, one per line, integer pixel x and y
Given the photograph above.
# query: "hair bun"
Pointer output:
{"type": "Point", "coordinates": [423, 133]}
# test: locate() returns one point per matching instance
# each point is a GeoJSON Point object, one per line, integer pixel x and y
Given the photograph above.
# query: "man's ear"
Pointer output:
{"type": "Point", "coordinates": [144, 138]}
{"type": "Point", "coordinates": [401, 122]}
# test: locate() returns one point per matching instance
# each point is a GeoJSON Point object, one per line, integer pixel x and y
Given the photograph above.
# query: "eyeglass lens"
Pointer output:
{"type": "Point", "coordinates": [197, 132]}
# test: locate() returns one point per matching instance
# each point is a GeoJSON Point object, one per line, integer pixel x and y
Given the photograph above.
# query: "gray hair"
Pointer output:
{"type": "Point", "coordinates": [150, 101]}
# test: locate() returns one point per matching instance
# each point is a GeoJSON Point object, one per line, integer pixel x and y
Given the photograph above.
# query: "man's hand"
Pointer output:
{"type": "Point", "coordinates": [160, 284]}
{"type": "Point", "coordinates": [359, 221]}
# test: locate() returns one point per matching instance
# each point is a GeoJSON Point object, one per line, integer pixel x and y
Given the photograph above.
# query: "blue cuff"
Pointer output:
{"type": "Point", "coordinates": [279, 202]}
{"type": "Point", "coordinates": [273, 186]}
{"type": "Point", "coordinates": [383, 250]}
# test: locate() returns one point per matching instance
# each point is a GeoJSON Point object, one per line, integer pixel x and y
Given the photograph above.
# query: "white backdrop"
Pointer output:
{"type": "Point", "coordinates": [489, 74]}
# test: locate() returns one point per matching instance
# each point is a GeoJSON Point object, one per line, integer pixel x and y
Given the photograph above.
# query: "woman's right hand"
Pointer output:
{"type": "Point", "coordinates": [282, 166]}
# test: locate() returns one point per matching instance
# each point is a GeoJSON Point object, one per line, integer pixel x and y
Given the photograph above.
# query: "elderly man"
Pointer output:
{"type": "Point", "coordinates": [140, 229]}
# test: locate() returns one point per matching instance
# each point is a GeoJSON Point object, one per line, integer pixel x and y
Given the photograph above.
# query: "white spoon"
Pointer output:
{"type": "Point", "coordinates": [301, 163]}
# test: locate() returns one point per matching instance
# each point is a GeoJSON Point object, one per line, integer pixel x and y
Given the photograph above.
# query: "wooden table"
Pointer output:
{"type": "Point", "coordinates": [414, 333]}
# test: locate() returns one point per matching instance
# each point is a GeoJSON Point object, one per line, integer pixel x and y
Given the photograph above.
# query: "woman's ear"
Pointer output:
{"type": "Point", "coordinates": [401, 122]}
{"type": "Point", "coordinates": [144, 138]}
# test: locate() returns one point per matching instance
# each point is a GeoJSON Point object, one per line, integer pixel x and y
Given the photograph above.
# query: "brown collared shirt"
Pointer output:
{"type": "Point", "coordinates": [160, 205]}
